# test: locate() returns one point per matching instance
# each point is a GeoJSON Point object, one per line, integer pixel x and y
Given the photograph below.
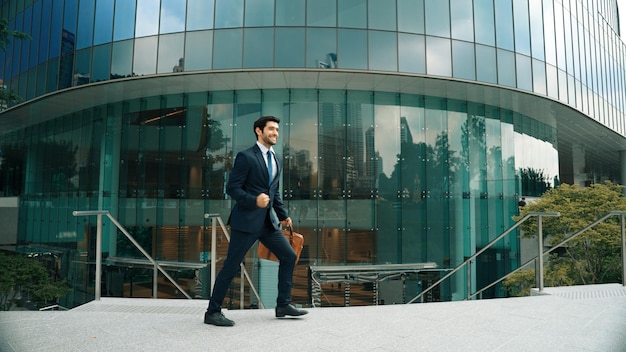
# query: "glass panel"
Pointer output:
{"type": "Point", "coordinates": [536, 29]}
{"type": "Point", "coordinates": [230, 44]}
{"type": "Point", "coordinates": [104, 22]}
{"type": "Point", "coordinates": [388, 139]}
{"type": "Point", "coordinates": [524, 72]}
{"type": "Point", "coordinates": [171, 53]}
{"type": "Point", "coordinates": [53, 75]}
{"type": "Point", "coordinates": [259, 13]}
{"type": "Point", "coordinates": [122, 59]}
{"type": "Point", "coordinates": [85, 24]}
{"type": "Point", "coordinates": [483, 22]}
{"type": "Point", "coordinates": [321, 48]}
{"type": "Point", "coordinates": [552, 80]}
{"type": "Point", "coordinates": [548, 25]}
{"type": "Point", "coordinates": [200, 14]}
{"type": "Point", "coordinates": [412, 53]}
{"type": "Point", "coordinates": [147, 22]}
{"type": "Point", "coordinates": [101, 63]}
{"type": "Point", "coordinates": [70, 16]}
{"type": "Point", "coordinates": [382, 15]}
{"type": "Point", "coordinates": [463, 64]}
{"type": "Point", "coordinates": [290, 12]}
{"type": "Point", "coordinates": [462, 21]}
{"type": "Point", "coordinates": [198, 50]}
{"type": "Point", "coordinates": [539, 77]}
{"type": "Point", "coordinates": [438, 19]}
{"type": "Point", "coordinates": [172, 16]}
{"type": "Point", "coordinates": [321, 13]}
{"type": "Point", "coordinates": [55, 29]}
{"type": "Point", "coordinates": [504, 25]}
{"type": "Point", "coordinates": [35, 35]}
{"type": "Point", "coordinates": [124, 27]}
{"type": "Point", "coordinates": [522, 30]}
{"type": "Point", "coordinates": [506, 68]}
{"type": "Point", "coordinates": [41, 80]}
{"type": "Point", "coordinates": [411, 16]}
{"type": "Point", "coordinates": [258, 40]}
{"type": "Point", "coordinates": [486, 64]}
{"type": "Point", "coordinates": [383, 52]}
{"type": "Point", "coordinates": [438, 56]}
{"type": "Point", "coordinates": [352, 13]}
{"type": "Point", "coordinates": [352, 49]}
{"type": "Point", "coordinates": [82, 69]}
{"type": "Point", "coordinates": [144, 62]}
{"type": "Point", "coordinates": [289, 50]}
{"type": "Point", "coordinates": [228, 13]}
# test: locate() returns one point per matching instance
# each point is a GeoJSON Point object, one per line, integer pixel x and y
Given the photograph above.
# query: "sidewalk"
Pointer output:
{"type": "Point", "coordinates": [580, 318]}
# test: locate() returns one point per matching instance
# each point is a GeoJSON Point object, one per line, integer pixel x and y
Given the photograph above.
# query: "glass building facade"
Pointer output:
{"type": "Point", "coordinates": [409, 128]}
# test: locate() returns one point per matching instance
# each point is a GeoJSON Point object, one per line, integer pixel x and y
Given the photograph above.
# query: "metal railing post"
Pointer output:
{"type": "Point", "coordinates": [540, 257]}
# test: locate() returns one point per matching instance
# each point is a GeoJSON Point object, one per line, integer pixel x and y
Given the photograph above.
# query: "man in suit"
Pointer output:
{"type": "Point", "coordinates": [257, 215]}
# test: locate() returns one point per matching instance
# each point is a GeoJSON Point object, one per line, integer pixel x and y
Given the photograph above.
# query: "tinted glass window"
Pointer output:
{"type": "Point", "coordinates": [504, 25]}
{"type": "Point", "coordinates": [352, 13]}
{"type": "Point", "coordinates": [200, 14]}
{"type": "Point", "coordinates": [536, 28]}
{"type": "Point", "coordinates": [321, 48]}
{"type": "Point", "coordinates": [411, 16]}
{"type": "Point", "coordinates": [290, 12]}
{"type": "Point", "coordinates": [289, 47]}
{"type": "Point", "coordinates": [171, 56]}
{"type": "Point", "coordinates": [524, 72]}
{"type": "Point", "coordinates": [352, 49]}
{"type": "Point", "coordinates": [104, 22]}
{"type": "Point", "coordinates": [230, 44]}
{"type": "Point", "coordinates": [101, 63]}
{"type": "Point", "coordinates": [85, 24]}
{"type": "Point", "coordinates": [383, 51]}
{"type": "Point", "coordinates": [322, 13]}
{"type": "Point", "coordinates": [483, 22]}
{"type": "Point", "coordinates": [411, 53]}
{"type": "Point", "coordinates": [463, 64]}
{"type": "Point", "coordinates": [259, 13]}
{"type": "Point", "coordinates": [70, 16]}
{"type": "Point", "coordinates": [257, 47]}
{"type": "Point", "coordinates": [438, 56]}
{"type": "Point", "coordinates": [506, 68]}
{"type": "Point", "coordinates": [82, 68]}
{"type": "Point", "coordinates": [462, 16]}
{"type": "Point", "coordinates": [56, 29]}
{"type": "Point", "coordinates": [382, 15]}
{"type": "Point", "coordinates": [122, 59]}
{"type": "Point", "coordinates": [144, 62]}
{"type": "Point", "coordinates": [45, 29]}
{"type": "Point", "coordinates": [522, 30]}
{"type": "Point", "coordinates": [438, 19]}
{"type": "Point", "coordinates": [198, 50]}
{"type": "Point", "coordinates": [35, 34]}
{"type": "Point", "coordinates": [228, 13]}
{"type": "Point", "coordinates": [172, 16]}
{"type": "Point", "coordinates": [486, 64]}
{"type": "Point", "coordinates": [124, 20]}
{"type": "Point", "coordinates": [147, 22]}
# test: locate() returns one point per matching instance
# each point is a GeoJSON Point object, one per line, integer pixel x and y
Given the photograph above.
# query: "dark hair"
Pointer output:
{"type": "Point", "coordinates": [262, 121]}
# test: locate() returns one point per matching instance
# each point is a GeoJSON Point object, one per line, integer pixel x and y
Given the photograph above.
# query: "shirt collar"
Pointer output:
{"type": "Point", "coordinates": [264, 149]}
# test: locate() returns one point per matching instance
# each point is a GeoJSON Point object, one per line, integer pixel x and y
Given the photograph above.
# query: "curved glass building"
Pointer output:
{"type": "Point", "coordinates": [410, 128]}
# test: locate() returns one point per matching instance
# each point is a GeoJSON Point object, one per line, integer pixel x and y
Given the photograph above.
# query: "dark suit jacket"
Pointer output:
{"type": "Point", "coordinates": [247, 180]}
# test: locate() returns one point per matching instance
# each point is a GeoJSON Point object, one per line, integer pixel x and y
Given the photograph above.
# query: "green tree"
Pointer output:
{"type": "Point", "coordinates": [21, 276]}
{"type": "Point", "coordinates": [591, 258]}
{"type": "Point", "coordinates": [6, 35]}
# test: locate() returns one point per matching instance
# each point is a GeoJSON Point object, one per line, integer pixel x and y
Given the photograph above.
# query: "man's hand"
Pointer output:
{"type": "Point", "coordinates": [287, 222]}
{"type": "Point", "coordinates": [262, 200]}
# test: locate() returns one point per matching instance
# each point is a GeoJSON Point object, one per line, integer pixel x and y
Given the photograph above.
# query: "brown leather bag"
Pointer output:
{"type": "Point", "coordinates": [295, 239]}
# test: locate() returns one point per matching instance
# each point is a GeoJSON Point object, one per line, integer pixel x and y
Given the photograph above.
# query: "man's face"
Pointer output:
{"type": "Point", "coordinates": [269, 135]}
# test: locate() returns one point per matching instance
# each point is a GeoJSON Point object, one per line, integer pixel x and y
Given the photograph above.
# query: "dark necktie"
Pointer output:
{"type": "Point", "coordinates": [269, 165]}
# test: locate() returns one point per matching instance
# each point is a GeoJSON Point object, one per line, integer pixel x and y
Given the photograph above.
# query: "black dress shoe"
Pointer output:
{"type": "Point", "coordinates": [217, 319]}
{"type": "Point", "coordinates": [289, 310]}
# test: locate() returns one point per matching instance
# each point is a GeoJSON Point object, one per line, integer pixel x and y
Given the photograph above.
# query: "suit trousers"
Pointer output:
{"type": "Point", "coordinates": [240, 243]}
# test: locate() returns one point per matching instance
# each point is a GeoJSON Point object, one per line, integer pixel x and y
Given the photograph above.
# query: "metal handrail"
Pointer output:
{"type": "Point", "coordinates": [98, 280]}
{"type": "Point", "coordinates": [539, 216]}
{"type": "Point", "coordinates": [622, 214]}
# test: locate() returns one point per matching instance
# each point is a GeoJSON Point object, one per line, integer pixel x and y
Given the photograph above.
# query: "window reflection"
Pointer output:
{"type": "Point", "coordinates": [172, 16]}
{"type": "Point", "coordinates": [200, 14]}
{"type": "Point", "coordinates": [144, 59]}
{"type": "Point", "coordinates": [230, 42]}
{"type": "Point", "coordinates": [198, 50]}
{"type": "Point", "coordinates": [383, 52]}
{"type": "Point", "coordinates": [290, 12]}
{"type": "Point", "coordinates": [122, 59]}
{"type": "Point", "coordinates": [352, 13]}
{"type": "Point", "coordinates": [321, 48]}
{"type": "Point", "coordinates": [104, 22]}
{"type": "Point", "coordinates": [101, 63]}
{"type": "Point", "coordinates": [228, 13]}
{"type": "Point", "coordinates": [257, 41]}
{"type": "Point", "coordinates": [259, 13]}
{"type": "Point", "coordinates": [84, 34]}
{"type": "Point", "coordinates": [352, 49]}
{"type": "Point", "coordinates": [147, 21]}
{"type": "Point", "coordinates": [289, 47]}
{"type": "Point", "coordinates": [124, 27]}
{"type": "Point", "coordinates": [170, 57]}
